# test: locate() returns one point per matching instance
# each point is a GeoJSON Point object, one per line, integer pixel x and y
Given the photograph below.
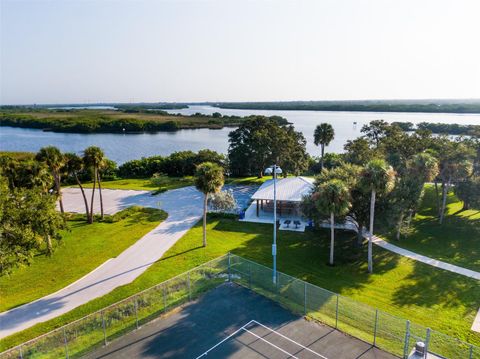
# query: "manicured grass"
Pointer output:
{"type": "Point", "coordinates": [146, 184]}
{"type": "Point", "coordinates": [81, 250]}
{"type": "Point", "coordinates": [425, 295]}
{"type": "Point", "coordinates": [456, 241]}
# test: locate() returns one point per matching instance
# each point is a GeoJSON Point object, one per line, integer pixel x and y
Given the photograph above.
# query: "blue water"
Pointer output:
{"type": "Point", "coordinates": [124, 147]}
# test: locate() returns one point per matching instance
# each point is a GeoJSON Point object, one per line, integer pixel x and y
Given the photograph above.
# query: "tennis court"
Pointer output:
{"type": "Point", "coordinates": [233, 322]}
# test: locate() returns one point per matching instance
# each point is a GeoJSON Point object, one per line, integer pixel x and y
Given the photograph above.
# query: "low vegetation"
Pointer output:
{"type": "Point", "coordinates": [110, 121]}
{"type": "Point", "coordinates": [82, 248]}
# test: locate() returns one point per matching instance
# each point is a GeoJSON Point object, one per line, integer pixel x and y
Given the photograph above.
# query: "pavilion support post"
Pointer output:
{"type": "Point", "coordinates": [258, 209]}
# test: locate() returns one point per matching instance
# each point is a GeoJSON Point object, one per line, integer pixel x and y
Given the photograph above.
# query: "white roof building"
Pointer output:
{"type": "Point", "coordinates": [290, 189]}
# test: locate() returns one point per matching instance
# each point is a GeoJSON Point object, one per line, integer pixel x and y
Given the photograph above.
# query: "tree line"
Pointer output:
{"type": "Point", "coordinates": [441, 128]}
{"type": "Point", "coordinates": [386, 169]}
{"type": "Point", "coordinates": [429, 106]}
{"type": "Point", "coordinates": [93, 121]}
{"type": "Point", "coordinates": [30, 187]}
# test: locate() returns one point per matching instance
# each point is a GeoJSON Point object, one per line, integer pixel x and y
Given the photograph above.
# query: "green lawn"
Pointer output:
{"type": "Point", "coordinates": [146, 184]}
{"type": "Point", "coordinates": [456, 241]}
{"type": "Point", "coordinates": [426, 295]}
{"type": "Point", "coordinates": [82, 249]}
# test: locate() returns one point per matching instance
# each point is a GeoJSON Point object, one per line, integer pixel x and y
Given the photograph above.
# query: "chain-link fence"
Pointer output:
{"type": "Point", "coordinates": [390, 333]}
{"type": "Point", "coordinates": [95, 330]}
{"type": "Point", "coordinates": [385, 331]}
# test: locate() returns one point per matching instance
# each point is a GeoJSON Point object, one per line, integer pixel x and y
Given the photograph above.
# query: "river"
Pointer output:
{"type": "Point", "coordinates": [124, 147]}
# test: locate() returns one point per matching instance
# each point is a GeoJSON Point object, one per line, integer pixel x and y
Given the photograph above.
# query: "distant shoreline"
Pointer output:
{"type": "Point", "coordinates": [467, 107]}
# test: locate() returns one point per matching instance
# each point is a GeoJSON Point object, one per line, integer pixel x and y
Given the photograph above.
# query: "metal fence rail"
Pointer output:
{"type": "Point", "coordinates": [97, 329]}
{"type": "Point", "coordinates": [385, 331]}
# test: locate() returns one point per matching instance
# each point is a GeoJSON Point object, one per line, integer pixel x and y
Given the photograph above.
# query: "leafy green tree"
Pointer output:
{"type": "Point", "coordinates": [358, 151]}
{"type": "Point", "coordinates": [93, 157]}
{"type": "Point", "coordinates": [455, 165]}
{"type": "Point", "coordinates": [377, 177]}
{"type": "Point", "coordinates": [208, 180]}
{"type": "Point", "coordinates": [409, 188]}
{"type": "Point", "coordinates": [260, 141]}
{"type": "Point", "coordinates": [332, 199]}
{"type": "Point", "coordinates": [468, 191]}
{"type": "Point", "coordinates": [74, 165]}
{"type": "Point", "coordinates": [375, 131]}
{"type": "Point", "coordinates": [322, 136]}
{"type": "Point", "coordinates": [55, 161]}
{"type": "Point", "coordinates": [28, 223]}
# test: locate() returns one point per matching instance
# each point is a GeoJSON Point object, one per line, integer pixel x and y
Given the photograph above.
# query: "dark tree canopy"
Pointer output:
{"type": "Point", "coordinates": [260, 141]}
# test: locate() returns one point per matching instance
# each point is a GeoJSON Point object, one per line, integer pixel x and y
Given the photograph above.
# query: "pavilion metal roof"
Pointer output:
{"type": "Point", "coordinates": [290, 189]}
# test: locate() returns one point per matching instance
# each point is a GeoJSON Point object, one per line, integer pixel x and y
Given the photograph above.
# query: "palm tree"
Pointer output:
{"type": "Point", "coordinates": [377, 177]}
{"type": "Point", "coordinates": [94, 157]}
{"type": "Point", "coordinates": [55, 161]}
{"type": "Point", "coordinates": [322, 136]}
{"type": "Point", "coordinates": [208, 179]}
{"type": "Point", "coordinates": [332, 198]}
{"type": "Point", "coordinates": [73, 165]}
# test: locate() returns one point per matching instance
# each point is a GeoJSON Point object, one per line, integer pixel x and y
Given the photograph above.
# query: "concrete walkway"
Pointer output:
{"type": "Point", "coordinates": [184, 207]}
{"type": "Point", "coordinates": [433, 262]}
{"type": "Point", "coordinates": [427, 260]}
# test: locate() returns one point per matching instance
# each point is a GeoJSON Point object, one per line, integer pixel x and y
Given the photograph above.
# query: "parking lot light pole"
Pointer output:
{"type": "Point", "coordinates": [275, 170]}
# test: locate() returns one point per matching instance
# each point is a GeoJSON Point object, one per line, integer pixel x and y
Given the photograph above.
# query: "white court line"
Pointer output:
{"type": "Point", "coordinates": [264, 340]}
{"type": "Point", "coordinates": [293, 341]}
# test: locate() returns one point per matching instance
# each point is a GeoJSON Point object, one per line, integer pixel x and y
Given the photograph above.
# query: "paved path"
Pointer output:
{"type": "Point", "coordinates": [433, 262]}
{"type": "Point", "coordinates": [184, 207]}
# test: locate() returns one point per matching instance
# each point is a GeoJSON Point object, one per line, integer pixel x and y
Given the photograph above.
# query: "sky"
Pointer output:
{"type": "Point", "coordinates": [132, 51]}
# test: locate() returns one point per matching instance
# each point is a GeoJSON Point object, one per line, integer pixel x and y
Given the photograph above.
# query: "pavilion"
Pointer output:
{"type": "Point", "coordinates": [290, 192]}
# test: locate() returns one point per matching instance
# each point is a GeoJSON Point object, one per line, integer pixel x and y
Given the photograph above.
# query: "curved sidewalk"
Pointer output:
{"type": "Point", "coordinates": [427, 260]}
{"type": "Point", "coordinates": [433, 262]}
{"type": "Point", "coordinates": [184, 207]}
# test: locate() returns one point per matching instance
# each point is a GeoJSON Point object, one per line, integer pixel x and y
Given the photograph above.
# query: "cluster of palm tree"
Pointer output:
{"type": "Point", "coordinates": [333, 197]}
{"type": "Point", "coordinates": [72, 165]}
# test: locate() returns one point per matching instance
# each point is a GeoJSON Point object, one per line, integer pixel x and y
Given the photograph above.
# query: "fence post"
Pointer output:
{"type": "Point", "coordinates": [470, 356]}
{"type": "Point", "coordinates": [407, 339]}
{"type": "Point", "coordinates": [427, 341]}
{"type": "Point", "coordinates": [336, 314]}
{"type": "Point", "coordinates": [21, 352]}
{"type": "Point", "coordinates": [375, 328]}
{"type": "Point", "coordinates": [189, 287]}
{"type": "Point", "coordinates": [164, 298]}
{"type": "Point", "coordinates": [304, 298]}
{"type": "Point", "coordinates": [229, 274]}
{"type": "Point", "coordinates": [104, 331]}
{"type": "Point", "coordinates": [136, 312]}
{"type": "Point", "coordinates": [65, 342]}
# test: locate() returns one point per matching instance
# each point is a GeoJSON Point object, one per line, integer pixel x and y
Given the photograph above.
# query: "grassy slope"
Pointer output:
{"type": "Point", "coordinates": [422, 293]}
{"type": "Point", "coordinates": [83, 248]}
{"type": "Point", "coordinates": [456, 241]}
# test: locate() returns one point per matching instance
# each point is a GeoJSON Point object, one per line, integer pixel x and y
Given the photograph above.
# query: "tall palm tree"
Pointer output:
{"type": "Point", "coordinates": [322, 136]}
{"type": "Point", "coordinates": [55, 161]}
{"type": "Point", "coordinates": [73, 165]}
{"type": "Point", "coordinates": [332, 198]}
{"type": "Point", "coordinates": [93, 158]}
{"type": "Point", "coordinates": [208, 180]}
{"type": "Point", "coordinates": [377, 177]}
